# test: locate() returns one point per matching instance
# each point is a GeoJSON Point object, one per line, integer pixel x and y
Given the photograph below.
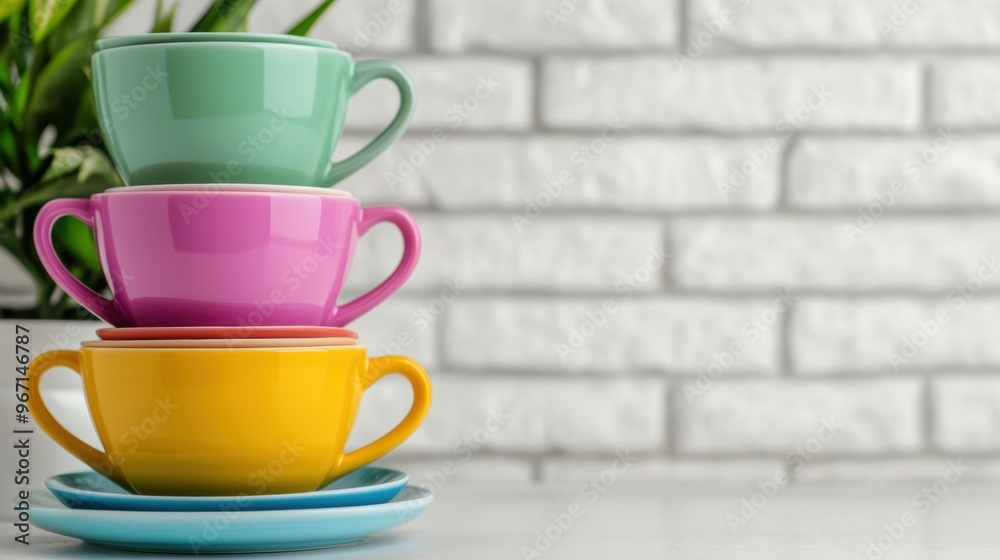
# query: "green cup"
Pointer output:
{"type": "Point", "coordinates": [180, 108]}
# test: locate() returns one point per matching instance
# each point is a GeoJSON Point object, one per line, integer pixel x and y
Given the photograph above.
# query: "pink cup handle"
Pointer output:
{"type": "Point", "coordinates": [89, 299]}
{"type": "Point", "coordinates": [411, 251]}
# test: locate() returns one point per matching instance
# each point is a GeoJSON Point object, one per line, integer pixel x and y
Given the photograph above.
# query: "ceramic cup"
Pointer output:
{"type": "Point", "coordinates": [222, 343]}
{"type": "Point", "coordinates": [223, 258]}
{"type": "Point", "coordinates": [228, 107]}
{"type": "Point", "coordinates": [200, 422]}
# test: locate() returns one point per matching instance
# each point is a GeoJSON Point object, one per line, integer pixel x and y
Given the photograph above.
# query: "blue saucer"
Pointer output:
{"type": "Point", "coordinates": [200, 532]}
{"type": "Point", "coordinates": [365, 486]}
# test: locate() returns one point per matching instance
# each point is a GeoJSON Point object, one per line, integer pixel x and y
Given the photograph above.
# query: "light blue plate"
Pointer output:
{"type": "Point", "coordinates": [231, 531]}
{"type": "Point", "coordinates": [365, 486]}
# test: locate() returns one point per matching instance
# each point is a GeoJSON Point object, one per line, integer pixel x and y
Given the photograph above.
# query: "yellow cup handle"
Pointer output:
{"type": "Point", "coordinates": [377, 369]}
{"type": "Point", "coordinates": [97, 460]}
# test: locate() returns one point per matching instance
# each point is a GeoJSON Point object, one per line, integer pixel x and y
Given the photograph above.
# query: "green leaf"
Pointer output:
{"type": "Point", "coordinates": [46, 15]}
{"type": "Point", "coordinates": [303, 27]}
{"type": "Point", "coordinates": [18, 41]}
{"type": "Point", "coordinates": [164, 20]}
{"type": "Point", "coordinates": [224, 15]}
{"type": "Point", "coordinates": [6, 85]}
{"type": "Point", "coordinates": [21, 93]}
{"type": "Point", "coordinates": [67, 177]}
{"type": "Point", "coordinates": [84, 161]}
{"type": "Point", "coordinates": [85, 130]}
{"type": "Point", "coordinates": [75, 238]}
{"type": "Point", "coordinates": [84, 17]}
{"type": "Point", "coordinates": [116, 10]}
{"type": "Point", "coordinates": [8, 7]}
{"type": "Point", "coordinates": [61, 84]}
{"type": "Point", "coordinates": [8, 145]}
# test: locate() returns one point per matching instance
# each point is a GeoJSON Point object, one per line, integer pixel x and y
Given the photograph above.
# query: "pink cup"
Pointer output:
{"type": "Point", "coordinates": [224, 258]}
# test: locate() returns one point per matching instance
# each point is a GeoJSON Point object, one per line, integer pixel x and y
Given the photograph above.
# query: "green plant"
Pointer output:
{"type": "Point", "coordinates": [50, 141]}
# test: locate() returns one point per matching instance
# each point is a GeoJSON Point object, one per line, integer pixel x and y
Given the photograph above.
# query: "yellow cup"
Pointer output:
{"type": "Point", "coordinates": [225, 422]}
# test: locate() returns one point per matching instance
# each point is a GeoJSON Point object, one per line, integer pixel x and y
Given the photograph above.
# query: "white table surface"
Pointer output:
{"type": "Point", "coordinates": [635, 522]}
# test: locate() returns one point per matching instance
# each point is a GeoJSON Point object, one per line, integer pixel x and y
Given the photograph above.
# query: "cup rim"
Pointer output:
{"type": "Point", "coordinates": [344, 348]}
{"type": "Point", "coordinates": [219, 188]}
{"type": "Point", "coordinates": [186, 343]}
{"type": "Point", "coordinates": [135, 40]}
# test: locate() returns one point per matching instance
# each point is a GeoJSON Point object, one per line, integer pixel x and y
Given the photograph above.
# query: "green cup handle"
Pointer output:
{"type": "Point", "coordinates": [364, 72]}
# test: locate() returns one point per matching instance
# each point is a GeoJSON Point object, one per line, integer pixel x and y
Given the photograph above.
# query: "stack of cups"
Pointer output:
{"type": "Point", "coordinates": [226, 255]}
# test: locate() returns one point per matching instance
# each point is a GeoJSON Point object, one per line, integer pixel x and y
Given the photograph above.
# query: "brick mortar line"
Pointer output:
{"type": "Point", "coordinates": [929, 376]}
{"type": "Point", "coordinates": [683, 23]}
{"type": "Point", "coordinates": [843, 213]}
{"type": "Point", "coordinates": [928, 412]}
{"type": "Point", "coordinates": [927, 98]}
{"type": "Point", "coordinates": [537, 95]}
{"type": "Point", "coordinates": [571, 296]}
{"type": "Point", "coordinates": [637, 132]}
{"type": "Point", "coordinates": [422, 28]}
{"type": "Point", "coordinates": [679, 377]}
{"type": "Point", "coordinates": [674, 420]}
{"type": "Point", "coordinates": [785, 344]}
{"type": "Point", "coordinates": [833, 457]}
{"type": "Point", "coordinates": [721, 457]}
{"type": "Point", "coordinates": [717, 51]}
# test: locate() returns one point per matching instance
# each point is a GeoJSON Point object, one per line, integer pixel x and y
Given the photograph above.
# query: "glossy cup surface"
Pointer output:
{"type": "Point", "coordinates": [224, 258]}
{"type": "Point", "coordinates": [224, 333]}
{"type": "Point", "coordinates": [226, 422]}
{"type": "Point", "coordinates": [197, 109]}
{"type": "Point", "coordinates": [230, 343]}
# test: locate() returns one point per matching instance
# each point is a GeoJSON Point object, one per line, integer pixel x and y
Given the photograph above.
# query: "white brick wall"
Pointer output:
{"type": "Point", "coordinates": [852, 24]}
{"type": "Point", "coordinates": [732, 94]}
{"type": "Point", "coordinates": [824, 253]}
{"type": "Point", "coordinates": [847, 172]}
{"type": "Point", "coordinates": [468, 93]}
{"type": "Point", "coordinates": [967, 411]}
{"type": "Point", "coordinates": [530, 26]}
{"type": "Point", "coordinates": [646, 334]}
{"type": "Point", "coordinates": [835, 336]}
{"type": "Point", "coordinates": [961, 93]}
{"type": "Point", "coordinates": [637, 172]}
{"type": "Point", "coordinates": [873, 417]}
{"type": "Point", "coordinates": [694, 108]}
